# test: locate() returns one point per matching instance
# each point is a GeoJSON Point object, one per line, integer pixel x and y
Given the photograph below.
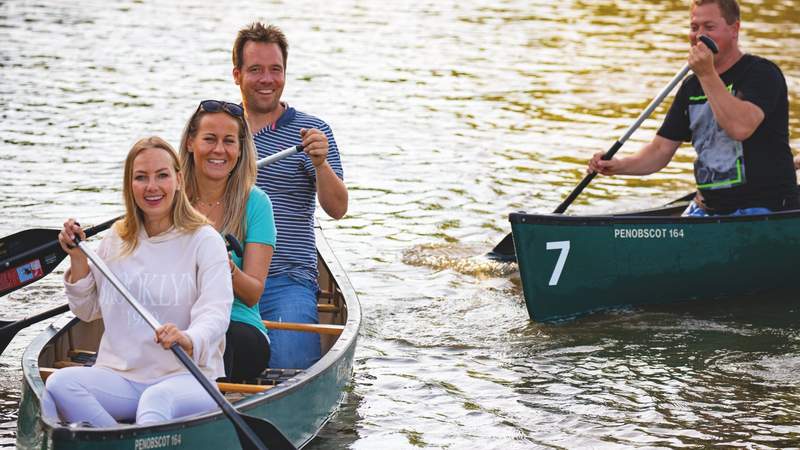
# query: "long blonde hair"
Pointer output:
{"type": "Point", "coordinates": [184, 217]}
{"type": "Point", "coordinates": [240, 181]}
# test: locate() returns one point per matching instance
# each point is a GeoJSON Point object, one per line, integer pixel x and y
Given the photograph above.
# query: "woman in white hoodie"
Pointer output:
{"type": "Point", "coordinates": [176, 265]}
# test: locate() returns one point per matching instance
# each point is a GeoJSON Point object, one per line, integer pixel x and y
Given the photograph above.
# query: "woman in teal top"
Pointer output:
{"type": "Point", "coordinates": [218, 164]}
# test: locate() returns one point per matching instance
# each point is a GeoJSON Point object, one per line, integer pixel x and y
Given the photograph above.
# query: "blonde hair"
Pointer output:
{"type": "Point", "coordinates": [240, 181]}
{"type": "Point", "coordinates": [184, 217]}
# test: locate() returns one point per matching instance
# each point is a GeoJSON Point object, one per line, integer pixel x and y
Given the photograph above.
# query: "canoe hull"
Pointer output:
{"type": "Point", "coordinates": [298, 414]}
{"type": "Point", "coordinates": [574, 265]}
{"type": "Point", "coordinates": [298, 406]}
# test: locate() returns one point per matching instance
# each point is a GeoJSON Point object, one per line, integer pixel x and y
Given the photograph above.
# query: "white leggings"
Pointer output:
{"type": "Point", "coordinates": [102, 398]}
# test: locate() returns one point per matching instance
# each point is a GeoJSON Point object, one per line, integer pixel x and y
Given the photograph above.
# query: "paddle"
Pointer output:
{"type": "Point", "coordinates": [254, 432]}
{"type": "Point", "coordinates": [9, 329]}
{"type": "Point", "coordinates": [32, 254]}
{"type": "Point", "coordinates": [29, 255]}
{"type": "Point", "coordinates": [504, 251]}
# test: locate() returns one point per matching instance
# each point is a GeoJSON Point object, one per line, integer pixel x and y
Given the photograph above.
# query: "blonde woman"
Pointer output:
{"type": "Point", "coordinates": [218, 161]}
{"type": "Point", "coordinates": [176, 265]}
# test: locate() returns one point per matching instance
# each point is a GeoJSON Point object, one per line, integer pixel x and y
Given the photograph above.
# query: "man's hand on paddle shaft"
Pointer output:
{"type": "Point", "coordinates": [701, 60]}
{"type": "Point", "coordinates": [603, 167]}
{"type": "Point", "coordinates": [315, 144]}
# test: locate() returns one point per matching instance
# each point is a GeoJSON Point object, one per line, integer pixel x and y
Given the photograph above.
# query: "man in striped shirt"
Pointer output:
{"type": "Point", "coordinates": [293, 184]}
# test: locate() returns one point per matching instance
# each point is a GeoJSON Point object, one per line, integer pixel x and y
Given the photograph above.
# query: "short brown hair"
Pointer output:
{"type": "Point", "coordinates": [729, 8]}
{"type": "Point", "coordinates": [258, 32]}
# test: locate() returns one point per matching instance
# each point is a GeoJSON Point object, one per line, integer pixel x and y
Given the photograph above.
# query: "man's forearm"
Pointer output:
{"type": "Point", "coordinates": [737, 117]}
{"type": "Point", "coordinates": [331, 192]}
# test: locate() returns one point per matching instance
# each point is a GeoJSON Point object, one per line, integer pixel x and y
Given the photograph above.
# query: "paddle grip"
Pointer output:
{"type": "Point", "coordinates": [234, 245]}
{"type": "Point", "coordinates": [709, 43]}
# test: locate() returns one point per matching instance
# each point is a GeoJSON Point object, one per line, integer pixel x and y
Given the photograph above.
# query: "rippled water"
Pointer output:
{"type": "Point", "coordinates": [449, 115]}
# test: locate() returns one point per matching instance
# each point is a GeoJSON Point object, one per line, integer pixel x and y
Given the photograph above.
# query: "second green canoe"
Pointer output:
{"type": "Point", "coordinates": [572, 265]}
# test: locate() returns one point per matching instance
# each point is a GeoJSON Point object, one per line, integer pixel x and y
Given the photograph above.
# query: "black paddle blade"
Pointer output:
{"type": "Point", "coordinates": [504, 251]}
{"type": "Point", "coordinates": [28, 256]}
{"type": "Point", "coordinates": [10, 329]}
{"type": "Point", "coordinates": [6, 334]}
{"type": "Point", "coordinates": [253, 433]}
{"type": "Point", "coordinates": [267, 432]}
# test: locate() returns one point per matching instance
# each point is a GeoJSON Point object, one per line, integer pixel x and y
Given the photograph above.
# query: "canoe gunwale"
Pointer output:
{"type": "Point", "coordinates": [343, 348]}
{"type": "Point", "coordinates": [636, 218]}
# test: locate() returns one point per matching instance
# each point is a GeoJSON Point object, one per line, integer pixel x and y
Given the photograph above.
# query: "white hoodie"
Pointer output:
{"type": "Point", "coordinates": [182, 278]}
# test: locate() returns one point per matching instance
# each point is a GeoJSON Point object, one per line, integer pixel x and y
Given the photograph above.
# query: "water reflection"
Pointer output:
{"type": "Point", "coordinates": [449, 115]}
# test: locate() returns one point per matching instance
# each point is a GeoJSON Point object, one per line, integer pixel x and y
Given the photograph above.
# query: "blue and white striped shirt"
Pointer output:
{"type": "Point", "coordinates": [291, 185]}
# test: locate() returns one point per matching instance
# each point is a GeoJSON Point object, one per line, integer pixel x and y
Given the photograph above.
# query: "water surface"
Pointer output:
{"type": "Point", "coordinates": [449, 115]}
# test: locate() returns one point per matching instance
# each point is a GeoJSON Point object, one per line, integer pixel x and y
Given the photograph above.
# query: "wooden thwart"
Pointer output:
{"type": "Point", "coordinates": [240, 388]}
{"type": "Point", "coordinates": [307, 327]}
{"type": "Point", "coordinates": [327, 308]}
{"type": "Point", "coordinates": [237, 388]}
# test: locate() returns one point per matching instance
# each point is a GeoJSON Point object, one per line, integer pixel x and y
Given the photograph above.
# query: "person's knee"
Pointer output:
{"type": "Point", "coordinates": [62, 383]}
{"type": "Point", "coordinates": [155, 405]}
{"type": "Point", "coordinates": [293, 349]}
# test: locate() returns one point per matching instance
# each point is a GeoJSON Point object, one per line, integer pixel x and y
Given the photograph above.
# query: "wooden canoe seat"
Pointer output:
{"type": "Point", "coordinates": [327, 308]}
{"type": "Point", "coordinates": [236, 388]}
{"type": "Point", "coordinates": [240, 388]}
{"type": "Point", "coordinates": [326, 302]}
{"type": "Point", "coordinates": [307, 327]}
{"type": "Point", "coordinates": [45, 372]}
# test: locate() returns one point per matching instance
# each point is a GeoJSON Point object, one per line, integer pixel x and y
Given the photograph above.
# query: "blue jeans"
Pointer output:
{"type": "Point", "coordinates": [286, 299]}
{"type": "Point", "coordinates": [695, 211]}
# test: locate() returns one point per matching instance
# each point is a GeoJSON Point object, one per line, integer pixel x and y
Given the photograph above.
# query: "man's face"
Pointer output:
{"type": "Point", "coordinates": [707, 19]}
{"type": "Point", "coordinates": [261, 77]}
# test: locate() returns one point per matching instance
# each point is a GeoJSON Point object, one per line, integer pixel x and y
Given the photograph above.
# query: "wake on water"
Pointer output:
{"type": "Point", "coordinates": [466, 259]}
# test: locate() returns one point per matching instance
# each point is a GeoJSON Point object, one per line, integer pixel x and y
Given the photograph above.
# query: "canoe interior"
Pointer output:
{"type": "Point", "coordinates": [574, 265]}
{"type": "Point", "coordinates": [298, 402]}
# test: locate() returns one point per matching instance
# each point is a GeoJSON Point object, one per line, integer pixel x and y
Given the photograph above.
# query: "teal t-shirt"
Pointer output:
{"type": "Point", "coordinates": [259, 229]}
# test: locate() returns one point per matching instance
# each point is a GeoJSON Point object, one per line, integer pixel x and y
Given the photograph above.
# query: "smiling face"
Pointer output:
{"type": "Point", "coordinates": [261, 77]}
{"type": "Point", "coordinates": [154, 183]}
{"type": "Point", "coordinates": [215, 146]}
{"type": "Point", "coordinates": [708, 19]}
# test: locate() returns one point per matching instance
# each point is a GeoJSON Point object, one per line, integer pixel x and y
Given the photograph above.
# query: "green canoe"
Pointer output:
{"type": "Point", "coordinates": [572, 265]}
{"type": "Point", "coordinates": [298, 402]}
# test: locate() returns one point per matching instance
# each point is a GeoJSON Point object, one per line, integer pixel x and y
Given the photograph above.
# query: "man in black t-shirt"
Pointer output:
{"type": "Point", "coordinates": [735, 111]}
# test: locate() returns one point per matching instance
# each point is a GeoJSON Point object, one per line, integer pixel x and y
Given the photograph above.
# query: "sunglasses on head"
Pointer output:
{"type": "Point", "coordinates": [214, 106]}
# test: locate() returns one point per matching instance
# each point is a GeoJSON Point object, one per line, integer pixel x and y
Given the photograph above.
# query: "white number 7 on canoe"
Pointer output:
{"type": "Point", "coordinates": [562, 258]}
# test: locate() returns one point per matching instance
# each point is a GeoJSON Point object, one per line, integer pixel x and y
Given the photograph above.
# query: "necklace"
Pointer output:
{"type": "Point", "coordinates": [209, 204]}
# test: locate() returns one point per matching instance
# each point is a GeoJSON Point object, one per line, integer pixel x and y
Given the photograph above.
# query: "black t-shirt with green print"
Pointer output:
{"type": "Point", "coordinates": [757, 172]}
